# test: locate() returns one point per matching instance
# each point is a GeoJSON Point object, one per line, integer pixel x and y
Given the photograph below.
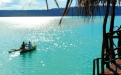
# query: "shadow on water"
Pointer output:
{"type": "Point", "coordinates": [28, 54]}
{"type": "Point", "coordinates": [27, 62]}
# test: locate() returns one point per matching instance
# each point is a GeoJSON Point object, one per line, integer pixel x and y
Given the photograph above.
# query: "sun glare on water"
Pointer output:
{"type": "Point", "coordinates": [29, 22]}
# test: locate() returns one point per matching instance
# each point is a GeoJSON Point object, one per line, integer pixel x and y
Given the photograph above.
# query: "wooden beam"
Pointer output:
{"type": "Point", "coordinates": [110, 36]}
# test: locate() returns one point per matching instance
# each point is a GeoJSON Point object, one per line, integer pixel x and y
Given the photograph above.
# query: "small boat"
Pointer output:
{"type": "Point", "coordinates": [28, 50]}
{"type": "Point", "coordinates": [13, 50]}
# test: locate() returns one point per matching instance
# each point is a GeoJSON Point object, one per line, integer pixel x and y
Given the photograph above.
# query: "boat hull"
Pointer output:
{"type": "Point", "coordinates": [13, 50]}
{"type": "Point", "coordinates": [28, 50]}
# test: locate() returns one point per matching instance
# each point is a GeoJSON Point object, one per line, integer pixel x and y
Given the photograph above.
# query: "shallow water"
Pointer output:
{"type": "Point", "coordinates": [68, 49]}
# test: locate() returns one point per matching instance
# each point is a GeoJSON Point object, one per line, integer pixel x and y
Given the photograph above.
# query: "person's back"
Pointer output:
{"type": "Point", "coordinates": [23, 46]}
{"type": "Point", "coordinates": [29, 45]}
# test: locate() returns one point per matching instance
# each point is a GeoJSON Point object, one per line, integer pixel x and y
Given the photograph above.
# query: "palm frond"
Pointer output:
{"type": "Point", "coordinates": [81, 3]}
{"type": "Point", "coordinates": [90, 10]}
{"type": "Point", "coordinates": [86, 7]}
{"type": "Point", "coordinates": [68, 4]}
{"type": "Point", "coordinates": [119, 1]}
{"type": "Point", "coordinates": [68, 8]}
{"type": "Point", "coordinates": [47, 5]}
{"type": "Point", "coordinates": [57, 3]}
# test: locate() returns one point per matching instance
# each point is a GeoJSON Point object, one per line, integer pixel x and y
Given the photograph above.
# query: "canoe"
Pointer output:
{"type": "Point", "coordinates": [13, 50]}
{"type": "Point", "coordinates": [28, 50]}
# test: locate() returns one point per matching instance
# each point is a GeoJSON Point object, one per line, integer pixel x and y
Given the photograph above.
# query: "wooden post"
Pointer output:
{"type": "Point", "coordinates": [104, 36]}
{"type": "Point", "coordinates": [111, 29]}
{"type": "Point", "coordinates": [97, 66]}
{"type": "Point", "coordinates": [94, 67]}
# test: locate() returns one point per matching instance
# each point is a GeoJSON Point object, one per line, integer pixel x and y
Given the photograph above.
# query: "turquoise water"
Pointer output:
{"type": "Point", "coordinates": [68, 49]}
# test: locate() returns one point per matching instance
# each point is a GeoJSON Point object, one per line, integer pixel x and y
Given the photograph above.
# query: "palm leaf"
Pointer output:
{"type": "Point", "coordinates": [68, 8]}
{"type": "Point", "coordinates": [119, 1]}
{"type": "Point", "coordinates": [79, 5]}
{"type": "Point", "coordinates": [68, 4]}
{"type": "Point", "coordinates": [89, 10]}
{"type": "Point", "coordinates": [57, 3]}
{"type": "Point", "coordinates": [84, 1]}
{"type": "Point", "coordinates": [47, 5]}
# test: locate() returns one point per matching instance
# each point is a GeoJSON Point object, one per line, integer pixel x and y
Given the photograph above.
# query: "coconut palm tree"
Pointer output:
{"type": "Point", "coordinates": [89, 8]}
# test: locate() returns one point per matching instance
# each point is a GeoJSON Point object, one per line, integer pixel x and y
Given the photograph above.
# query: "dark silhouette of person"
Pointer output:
{"type": "Point", "coordinates": [23, 46]}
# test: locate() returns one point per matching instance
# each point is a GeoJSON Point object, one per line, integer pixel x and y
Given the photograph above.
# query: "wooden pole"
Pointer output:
{"type": "Point", "coordinates": [104, 36]}
{"type": "Point", "coordinates": [111, 29]}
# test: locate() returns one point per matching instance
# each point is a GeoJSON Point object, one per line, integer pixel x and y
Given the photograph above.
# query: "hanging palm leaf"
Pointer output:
{"type": "Point", "coordinates": [47, 5]}
{"type": "Point", "coordinates": [68, 4]}
{"type": "Point", "coordinates": [81, 3]}
{"type": "Point", "coordinates": [57, 4]}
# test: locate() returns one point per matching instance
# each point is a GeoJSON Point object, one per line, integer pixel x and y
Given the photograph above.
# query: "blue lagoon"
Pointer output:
{"type": "Point", "coordinates": [67, 49]}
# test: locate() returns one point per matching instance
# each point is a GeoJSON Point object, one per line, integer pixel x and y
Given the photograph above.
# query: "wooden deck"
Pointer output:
{"type": "Point", "coordinates": [115, 69]}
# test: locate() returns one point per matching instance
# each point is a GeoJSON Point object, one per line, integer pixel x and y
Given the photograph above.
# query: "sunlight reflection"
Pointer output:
{"type": "Point", "coordinates": [29, 22]}
{"type": "Point", "coordinates": [43, 64]}
{"type": "Point", "coordinates": [39, 27]}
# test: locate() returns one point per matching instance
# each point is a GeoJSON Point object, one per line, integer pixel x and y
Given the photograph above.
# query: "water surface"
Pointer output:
{"type": "Point", "coordinates": [68, 49]}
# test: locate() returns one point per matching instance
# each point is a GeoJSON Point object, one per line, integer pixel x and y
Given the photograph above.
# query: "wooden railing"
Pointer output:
{"type": "Point", "coordinates": [109, 53]}
{"type": "Point", "coordinates": [96, 66]}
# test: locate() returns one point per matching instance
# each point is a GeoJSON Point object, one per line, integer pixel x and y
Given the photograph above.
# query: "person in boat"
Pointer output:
{"type": "Point", "coordinates": [29, 45]}
{"type": "Point", "coordinates": [23, 46]}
